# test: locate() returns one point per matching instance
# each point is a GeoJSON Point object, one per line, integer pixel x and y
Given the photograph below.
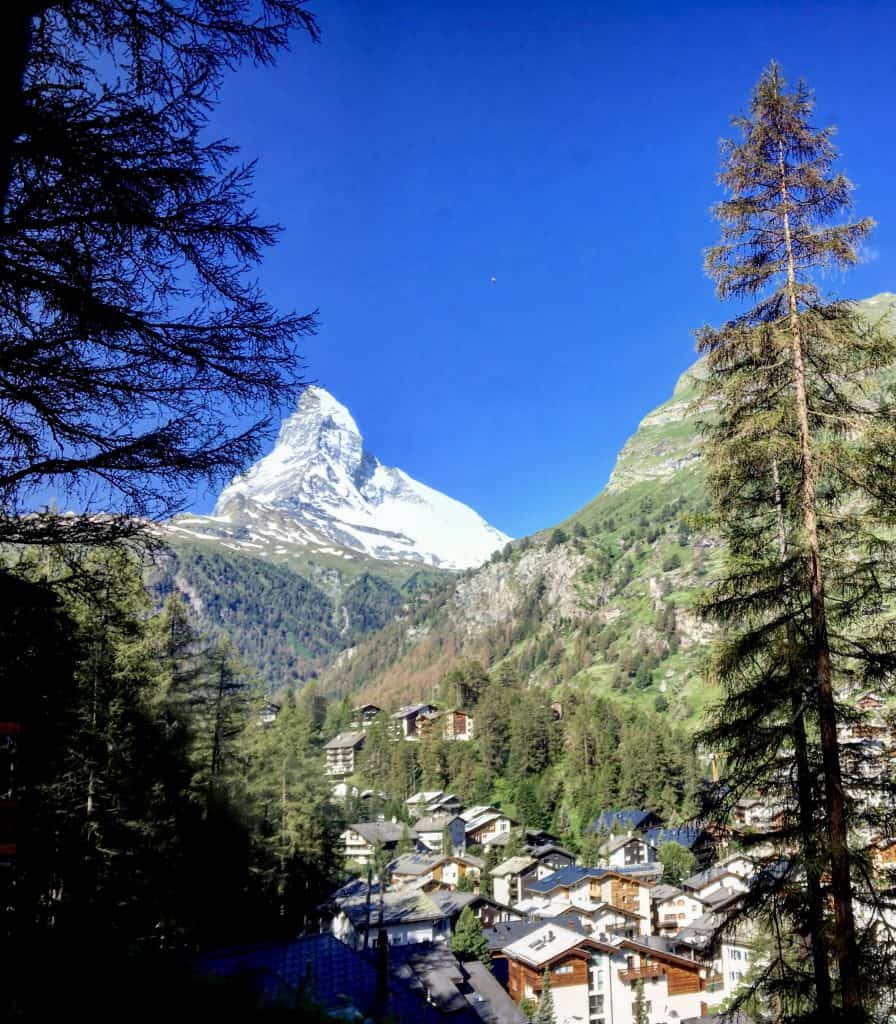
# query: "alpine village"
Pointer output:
{"type": "Point", "coordinates": [334, 747]}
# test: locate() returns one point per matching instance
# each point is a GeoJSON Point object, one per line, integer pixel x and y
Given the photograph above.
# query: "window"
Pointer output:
{"type": "Point", "coordinates": [563, 969]}
{"type": "Point", "coordinates": [595, 1005]}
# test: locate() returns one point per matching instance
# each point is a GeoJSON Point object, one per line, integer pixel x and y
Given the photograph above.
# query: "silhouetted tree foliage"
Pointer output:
{"type": "Point", "coordinates": [156, 812]}
{"type": "Point", "coordinates": [135, 344]}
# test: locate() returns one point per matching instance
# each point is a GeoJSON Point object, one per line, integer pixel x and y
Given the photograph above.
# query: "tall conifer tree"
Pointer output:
{"type": "Point", "coordinates": [798, 438]}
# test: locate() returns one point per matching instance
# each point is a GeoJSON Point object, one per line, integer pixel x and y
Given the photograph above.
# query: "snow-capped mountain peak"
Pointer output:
{"type": "Point", "coordinates": [320, 477]}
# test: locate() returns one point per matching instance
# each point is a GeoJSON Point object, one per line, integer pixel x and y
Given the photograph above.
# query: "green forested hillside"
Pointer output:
{"type": "Point", "coordinates": [604, 601]}
{"type": "Point", "coordinates": [286, 625]}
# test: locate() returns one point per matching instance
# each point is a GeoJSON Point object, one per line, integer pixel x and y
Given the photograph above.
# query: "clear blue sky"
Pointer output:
{"type": "Point", "coordinates": [570, 151]}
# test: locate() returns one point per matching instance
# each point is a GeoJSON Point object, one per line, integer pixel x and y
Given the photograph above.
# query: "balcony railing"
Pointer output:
{"type": "Point", "coordinates": [646, 972]}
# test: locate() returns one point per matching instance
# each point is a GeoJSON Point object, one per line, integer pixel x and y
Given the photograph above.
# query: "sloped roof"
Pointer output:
{"type": "Point", "coordinates": [702, 878]}
{"type": "Point", "coordinates": [626, 818]}
{"type": "Point", "coordinates": [415, 863]}
{"type": "Point", "coordinates": [662, 892]}
{"type": "Point", "coordinates": [340, 977]}
{"type": "Point", "coordinates": [564, 877]}
{"type": "Point", "coordinates": [685, 835]}
{"type": "Point", "coordinates": [435, 822]}
{"type": "Point", "coordinates": [381, 831]}
{"type": "Point", "coordinates": [547, 848]}
{"type": "Point", "coordinates": [458, 991]}
{"type": "Point", "coordinates": [724, 894]}
{"type": "Point", "coordinates": [402, 907]}
{"type": "Point", "coordinates": [543, 945]}
{"type": "Point", "coordinates": [412, 709]}
{"type": "Point", "coordinates": [422, 863]}
{"type": "Point", "coordinates": [485, 817]}
{"type": "Point", "coordinates": [425, 796]}
{"type": "Point", "coordinates": [616, 844]}
{"type": "Point", "coordinates": [662, 948]}
{"type": "Point", "coordinates": [513, 866]}
{"type": "Point", "coordinates": [345, 740]}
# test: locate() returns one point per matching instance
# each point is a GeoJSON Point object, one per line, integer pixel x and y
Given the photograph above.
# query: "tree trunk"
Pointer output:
{"type": "Point", "coordinates": [814, 897]}
{"type": "Point", "coordinates": [841, 884]}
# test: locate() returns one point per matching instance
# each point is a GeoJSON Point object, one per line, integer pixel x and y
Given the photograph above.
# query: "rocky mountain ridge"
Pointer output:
{"type": "Point", "coordinates": [320, 489]}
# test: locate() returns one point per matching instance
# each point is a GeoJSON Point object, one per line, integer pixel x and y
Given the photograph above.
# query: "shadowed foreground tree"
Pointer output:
{"type": "Point", "coordinates": [799, 453]}
{"type": "Point", "coordinates": [135, 346]}
{"type": "Point", "coordinates": [132, 849]}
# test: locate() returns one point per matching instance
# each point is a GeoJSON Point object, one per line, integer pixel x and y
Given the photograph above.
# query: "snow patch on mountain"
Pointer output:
{"type": "Point", "coordinates": [321, 487]}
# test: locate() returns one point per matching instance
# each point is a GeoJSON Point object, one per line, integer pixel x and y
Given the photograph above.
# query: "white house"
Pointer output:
{"type": "Point", "coordinates": [445, 870]}
{"type": "Point", "coordinates": [360, 841]}
{"type": "Point", "coordinates": [728, 961]}
{"type": "Point", "coordinates": [510, 876]}
{"type": "Point", "coordinates": [674, 986]}
{"type": "Point", "coordinates": [585, 886]}
{"type": "Point", "coordinates": [673, 909]}
{"type": "Point", "coordinates": [404, 720]}
{"type": "Point", "coordinates": [431, 830]}
{"type": "Point", "coordinates": [486, 823]}
{"type": "Point", "coordinates": [580, 972]}
{"type": "Point", "coordinates": [342, 753]}
{"type": "Point", "coordinates": [625, 851]}
{"type": "Point", "coordinates": [407, 916]}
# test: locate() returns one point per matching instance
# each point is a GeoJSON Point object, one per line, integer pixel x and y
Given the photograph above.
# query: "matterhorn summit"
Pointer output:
{"type": "Point", "coordinates": [320, 487]}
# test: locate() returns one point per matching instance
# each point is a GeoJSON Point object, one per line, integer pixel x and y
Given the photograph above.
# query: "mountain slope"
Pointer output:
{"type": "Point", "coordinates": [316, 546]}
{"type": "Point", "coordinates": [603, 601]}
{"type": "Point", "coordinates": [288, 619]}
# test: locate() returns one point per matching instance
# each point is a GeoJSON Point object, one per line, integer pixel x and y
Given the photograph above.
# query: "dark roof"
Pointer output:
{"type": "Point", "coordinates": [572, 873]}
{"type": "Point", "coordinates": [627, 818]}
{"type": "Point", "coordinates": [402, 907]}
{"type": "Point", "coordinates": [384, 832]}
{"type": "Point", "coordinates": [506, 932]}
{"type": "Point", "coordinates": [356, 887]}
{"type": "Point", "coordinates": [412, 709]}
{"type": "Point", "coordinates": [562, 877]}
{"type": "Point", "coordinates": [435, 822]}
{"type": "Point", "coordinates": [338, 975]}
{"type": "Point", "coordinates": [620, 841]}
{"type": "Point", "coordinates": [687, 836]}
{"type": "Point", "coordinates": [489, 1000]}
{"type": "Point", "coordinates": [452, 902]}
{"type": "Point", "coordinates": [345, 740]}
{"type": "Point", "coordinates": [461, 992]}
{"type": "Point", "coordinates": [721, 897]}
{"type": "Point", "coordinates": [660, 893]}
{"type": "Point", "coordinates": [328, 971]}
{"type": "Point", "coordinates": [547, 848]}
